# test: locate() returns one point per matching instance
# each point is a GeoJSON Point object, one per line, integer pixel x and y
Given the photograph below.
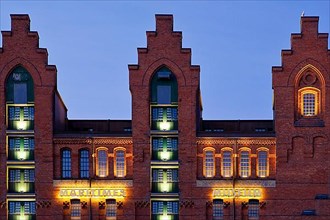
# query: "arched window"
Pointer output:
{"type": "Point", "coordinates": [84, 163]}
{"type": "Point", "coordinates": [19, 87]}
{"type": "Point", "coordinates": [262, 163]}
{"type": "Point", "coordinates": [20, 99]}
{"type": "Point", "coordinates": [164, 87]}
{"type": "Point", "coordinates": [208, 167]}
{"type": "Point", "coordinates": [227, 163]}
{"type": "Point", "coordinates": [309, 100]}
{"type": "Point", "coordinates": [244, 164]}
{"type": "Point", "coordinates": [102, 163]}
{"type": "Point", "coordinates": [66, 163]}
{"type": "Point", "coordinates": [120, 163]}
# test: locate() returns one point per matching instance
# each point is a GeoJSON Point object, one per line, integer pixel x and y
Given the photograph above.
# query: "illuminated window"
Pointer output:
{"type": "Point", "coordinates": [120, 163]}
{"type": "Point", "coordinates": [164, 149]}
{"type": "Point", "coordinates": [84, 163]}
{"type": "Point", "coordinates": [165, 180]}
{"type": "Point", "coordinates": [102, 162]}
{"type": "Point", "coordinates": [227, 170]}
{"type": "Point", "coordinates": [164, 119]}
{"type": "Point", "coordinates": [75, 209]}
{"type": "Point", "coordinates": [245, 164]}
{"type": "Point", "coordinates": [217, 209]}
{"type": "Point", "coordinates": [20, 118]}
{"type": "Point", "coordinates": [111, 209]}
{"type": "Point", "coordinates": [165, 210]}
{"type": "Point", "coordinates": [309, 101]}
{"type": "Point", "coordinates": [253, 209]}
{"type": "Point", "coordinates": [66, 163]}
{"type": "Point", "coordinates": [262, 163]}
{"type": "Point", "coordinates": [209, 169]}
{"type": "Point", "coordinates": [18, 209]}
{"type": "Point", "coordinates": [21, 181]}
{"type": "Point", "coordinates": [20, 148]}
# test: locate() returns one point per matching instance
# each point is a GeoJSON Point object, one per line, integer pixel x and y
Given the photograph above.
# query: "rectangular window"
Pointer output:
{"type": "Point", "coordinates": [172, 208]}
{"type": "Point", "coordinates": [21, 181]}
{"type": "Point", "coordinates": [20, 118]}
{"type": "Point", "coordinates": [120, 163]}
{"type": "Point", "coordinates": [227, 164]}
{"type": "Point", "coordinates": [18, 209]}
{"type": "Point", "coordinates": [111, 209]}
{"type": "Point", "coordinates": [262, 163]}
{"type": "Point", "coordinates": [75, 209]}
{"type": "Point", "coordinates": [157, 114]}
{"type": "Point", "coordinates": [66, 164]}
{"type": "Point", "coordinates": [309, 104]}
{"type": "Point", "coordinates": [20, 148]}
{"type": "Point", "coordinates": [102, 157]}
{"type": "Point", "coordinates": [165, 210]}
{"type": "Point", "coordinates": [164, 149]}
{"type": "Point", "coordinates": [217, 209]}
{"type": "Point", "coordinates": [245, 164]}
{"type": "Point", "coordinates": [253, 209]}
{"type": "Point", "coordinates": [209, 163]}
{"type": "Point", "coordinates": [84, 164]}
{"type": "Point", "coordinates": [157, 208]}
{"type": "Point", "coordinates": [172, 114]}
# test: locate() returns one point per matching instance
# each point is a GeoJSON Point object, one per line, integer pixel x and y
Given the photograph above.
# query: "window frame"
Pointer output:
{"type": "Point", "coordinates": [80, 163]}
{"type": "Point", "coordinates": [241, 171]}
{"type": "Point", "coordinates": [217, 211]}
{"type": "Point", "coordinates": [75, 212]}
{"type": "Point", "coordinates": [110, 209]}
{"type": "Point", "coordinates": [223, 173]}
{"type": "Point", "coordinates": [116, 169]}
{"type": "Point", "coordinates": [98, 162]}
{"type": "Point", "coordinates": [253, 209]}
{"type": "Point", "coordinates": [207, 169]}
{"type": "Point", "coordinates": [63, 170]}
{"type": "Point", "coordinates": [317, 101]}
{"type": "Point", "coordinates": [266, 171]}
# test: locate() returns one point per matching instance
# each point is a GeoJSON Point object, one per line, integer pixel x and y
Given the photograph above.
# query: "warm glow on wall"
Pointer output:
{"type": "Point", "coordinates": [237, 193]}
{"type": "Point", "coordinates": [92, 193]}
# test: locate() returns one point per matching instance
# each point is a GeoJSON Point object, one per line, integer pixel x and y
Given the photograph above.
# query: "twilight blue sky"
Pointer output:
{"type": "Point", "coordinates": [235, 42]}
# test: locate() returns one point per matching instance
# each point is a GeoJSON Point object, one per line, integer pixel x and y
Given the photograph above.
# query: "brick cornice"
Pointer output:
{"type": "Point", "coordinates": [97, 141]}
{"type": "Point", "coordinates": [261, 141]}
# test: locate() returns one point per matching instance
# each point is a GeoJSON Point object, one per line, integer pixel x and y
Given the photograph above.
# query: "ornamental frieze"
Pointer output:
{"type": "Point", "coordinates": [96, 141]}
{"type": "Point", "coordinates": [232, 142]}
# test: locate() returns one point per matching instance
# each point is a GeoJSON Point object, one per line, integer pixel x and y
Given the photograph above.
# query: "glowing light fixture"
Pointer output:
{"type": "Point", "coordinates": [165, 217]}
{"type": "Point", "coordinates": [165, 187]}
{"type": "Point", "coordinates": [21, 125]}
{"type": "Point", "coordinates": [164, 126]}
{"type": "Point", "coordinates": [165, 155]}
{"type": "Point", "coordinates": [22, 155]}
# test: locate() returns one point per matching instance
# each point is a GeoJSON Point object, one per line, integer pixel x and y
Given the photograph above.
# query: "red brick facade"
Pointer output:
{"type": "Point", "coordinates": [167, 162]}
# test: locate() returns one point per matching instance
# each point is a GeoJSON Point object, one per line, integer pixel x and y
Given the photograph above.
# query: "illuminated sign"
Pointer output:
{"type": "Point", "coordinates": [237, 193]}
{"type": "Point", "coordinates": [91, 192]}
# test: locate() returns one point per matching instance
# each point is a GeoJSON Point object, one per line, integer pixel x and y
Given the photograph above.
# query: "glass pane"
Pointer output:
{"type": "Point", "coordinates": [163, 94]}
{"type": "Point", "coordinates": [20, 93]}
